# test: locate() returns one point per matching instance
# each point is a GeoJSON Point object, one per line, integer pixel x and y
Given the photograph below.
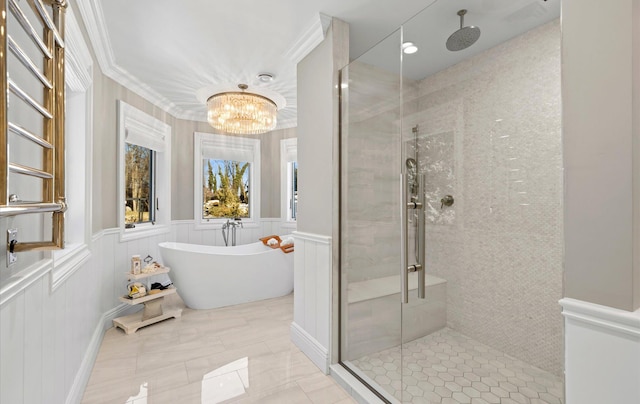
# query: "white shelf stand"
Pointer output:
{"type": "Point", "coordinates": [153, 311]}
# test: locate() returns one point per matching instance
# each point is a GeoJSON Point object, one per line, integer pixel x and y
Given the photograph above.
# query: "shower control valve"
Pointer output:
{"type": "Point", "coordinates": [446, 201]}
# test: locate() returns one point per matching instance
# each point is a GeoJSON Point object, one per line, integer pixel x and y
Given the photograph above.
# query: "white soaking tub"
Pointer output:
{"type": "Point", "coordinates": [210, 276]}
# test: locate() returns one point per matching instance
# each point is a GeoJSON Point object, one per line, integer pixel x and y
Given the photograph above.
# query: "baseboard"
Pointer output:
{"type": "Point", "coordinates": [318, 354]}
{"type": "Point", "coordinates": [84, 372]}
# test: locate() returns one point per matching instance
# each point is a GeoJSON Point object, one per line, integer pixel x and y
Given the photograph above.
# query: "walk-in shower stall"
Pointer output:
{"type": "Point", "coordinates": [451, 207]}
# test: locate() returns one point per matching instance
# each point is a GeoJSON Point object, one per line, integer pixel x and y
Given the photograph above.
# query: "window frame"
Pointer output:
{"type": "Point", "coordinates": [288, 154]}
{"type": "Point", "coordinates": [137, 127]}
{"type": "Point", "coordinates": [78, 83]}
{"type": "Point", "coordinates": [224, 147]}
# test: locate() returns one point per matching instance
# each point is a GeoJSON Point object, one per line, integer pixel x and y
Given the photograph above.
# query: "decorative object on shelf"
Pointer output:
{"type": "Point", "coordinates": [151, 266]}
{"type": "Point", "coordinates": [136, 290]}
{"type": "Point", "coordinates": [240, 112]}
{"type": "Point", "coordinates": [136, 264]}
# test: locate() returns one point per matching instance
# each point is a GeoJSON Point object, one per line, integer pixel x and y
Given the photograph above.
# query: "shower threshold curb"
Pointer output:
{"type": "Point", "coordinates": [353, 386]}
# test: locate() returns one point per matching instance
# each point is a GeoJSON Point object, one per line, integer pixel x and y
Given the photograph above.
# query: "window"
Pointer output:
{"type": "Point", "coordinates": [225, 189]}
{"type": "Point", "coordinates": [226, 179]}
{"type": "Point", "coordinates": [144, 173]}
{"type": "Point", "coordinates": [292, 186]}
{"type": "Point", "coordinates": [138, 184]}
{"type": "Point", "coordinates": [289, 179]}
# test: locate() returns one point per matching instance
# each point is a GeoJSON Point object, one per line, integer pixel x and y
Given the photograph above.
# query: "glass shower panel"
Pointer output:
{"type": "Point", "coordinates": [482, 123]}
{"type": "Point", "coordinates": [474, 128]}
{"type": "Point", "coordinates": [371, 164]}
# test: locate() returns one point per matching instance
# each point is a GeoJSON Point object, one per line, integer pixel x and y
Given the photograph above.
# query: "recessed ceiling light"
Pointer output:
{"type": "Point", "coordinates": [266, 77]}
{"type": "Point", "coordinates": [409, 48]}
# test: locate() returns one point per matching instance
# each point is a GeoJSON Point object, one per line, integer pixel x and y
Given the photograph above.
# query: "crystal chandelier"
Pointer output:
{"type": "Point", "coordinates": [241, 113]}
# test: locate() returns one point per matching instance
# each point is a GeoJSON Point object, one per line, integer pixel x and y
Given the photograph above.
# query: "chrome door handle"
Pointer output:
{"type": "Point", "coordinates": [405, 269]}
{"type": "Point", "coordinates": [404, 232]}
{"type": "Point", "coordinates": [421, 236]}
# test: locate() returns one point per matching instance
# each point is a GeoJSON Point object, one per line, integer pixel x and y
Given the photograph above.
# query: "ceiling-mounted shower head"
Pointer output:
{"type": "Point", "coordinates": [464, 37]}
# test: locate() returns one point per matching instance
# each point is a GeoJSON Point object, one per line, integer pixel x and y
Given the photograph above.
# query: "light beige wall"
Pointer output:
{"type": "Point", "coordinates": [598, 114]}
{"type": "Point", "coordinates": [636, 153]}
{"type": "Point", "coordinates": [315, 124]}
{"type": "Point", "coordinates": [317, 127]}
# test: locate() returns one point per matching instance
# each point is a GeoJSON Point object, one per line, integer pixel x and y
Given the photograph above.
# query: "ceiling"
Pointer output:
{"type": "Point", "coordinates": [177, 53]}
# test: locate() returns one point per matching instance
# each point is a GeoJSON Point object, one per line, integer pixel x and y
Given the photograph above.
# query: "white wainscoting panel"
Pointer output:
{"type": "Point", "coordinates": [602, 354]}
{"type": "Point", "coordinates": [312, 296]}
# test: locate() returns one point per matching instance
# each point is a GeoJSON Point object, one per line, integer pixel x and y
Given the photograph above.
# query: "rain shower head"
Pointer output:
{"type": "Point", "coordinates": [464, 37]}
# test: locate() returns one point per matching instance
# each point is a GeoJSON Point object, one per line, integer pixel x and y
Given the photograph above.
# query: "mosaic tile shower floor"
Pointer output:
{"type": "Point", "coordinates": [447, 367]}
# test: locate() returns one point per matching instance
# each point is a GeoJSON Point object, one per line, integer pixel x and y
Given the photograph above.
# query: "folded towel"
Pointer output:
{"type": "Point", "coordinates": [272, 241]}
{"type": "Point", "coordinates": [287, 240]}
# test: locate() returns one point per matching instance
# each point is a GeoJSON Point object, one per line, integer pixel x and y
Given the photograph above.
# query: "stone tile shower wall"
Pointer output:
{"type": "Point", "coordinates": [490, 135]}
{"type": "Point", "coordinates": [370, 187]}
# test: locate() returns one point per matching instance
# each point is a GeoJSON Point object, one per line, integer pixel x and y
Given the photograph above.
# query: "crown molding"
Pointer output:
{"type": "Point", "coordinates": [93, 17]}
{"type": "Point", "coordinates": [78, 58]}
{"type": "Point", "coordinates": [310, 38]}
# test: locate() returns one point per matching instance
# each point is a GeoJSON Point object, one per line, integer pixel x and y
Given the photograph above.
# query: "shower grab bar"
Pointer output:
{"type": "Point", "coordinates": [418, 267]}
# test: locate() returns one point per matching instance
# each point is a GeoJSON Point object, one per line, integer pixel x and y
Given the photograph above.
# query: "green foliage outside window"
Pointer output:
{"type": "Point", "coordinates": [138, 184]}
{"type": "Point", "coordinates": [225, 189]}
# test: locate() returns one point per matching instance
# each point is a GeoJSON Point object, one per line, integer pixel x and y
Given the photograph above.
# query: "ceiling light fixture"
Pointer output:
{"type": "Point", "coordinates": [241, 113]}
{"type": "Point", "coordinates": [409, 48]}
{"type": "Point", "coordinates": [266, 77]}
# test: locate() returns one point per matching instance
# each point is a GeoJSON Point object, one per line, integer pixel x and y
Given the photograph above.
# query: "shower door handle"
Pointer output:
{"type": "Point", "coordinates": [420, 236]}
{"type": "Point", "coordinates": [405, 268]}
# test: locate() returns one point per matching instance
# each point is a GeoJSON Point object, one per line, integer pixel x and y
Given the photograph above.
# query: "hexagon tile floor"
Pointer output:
{"type": "Point", "coordinates": [447, 367]}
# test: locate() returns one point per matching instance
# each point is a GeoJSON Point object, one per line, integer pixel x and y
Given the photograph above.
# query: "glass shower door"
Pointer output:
{"type": "Point", "coordinates": [371, 230]}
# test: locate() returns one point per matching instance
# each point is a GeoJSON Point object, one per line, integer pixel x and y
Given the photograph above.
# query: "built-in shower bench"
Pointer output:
{"type": "Point", "coordinates": [386, 286]}
{"type": "Point", "coordinates": [374, 313]}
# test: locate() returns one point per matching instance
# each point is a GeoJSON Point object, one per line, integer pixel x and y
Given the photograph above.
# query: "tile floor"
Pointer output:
{"type": "Point", "coordinates": [447, 367]}
{"type": "Point", "coordinates": [240, 354]}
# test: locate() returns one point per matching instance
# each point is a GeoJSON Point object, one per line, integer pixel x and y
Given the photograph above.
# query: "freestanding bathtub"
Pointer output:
{"type": "Point", "coordinates": [210, 276]}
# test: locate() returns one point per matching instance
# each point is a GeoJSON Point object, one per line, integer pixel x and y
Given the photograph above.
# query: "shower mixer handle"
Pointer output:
{"type": "Point", "coordinates": [446, 201]}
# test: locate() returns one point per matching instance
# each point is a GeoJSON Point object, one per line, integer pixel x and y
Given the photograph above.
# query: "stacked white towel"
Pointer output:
{"type": "Point", "coordinates": [272, 241]}
{"type": "Point", "coordinates": [287, 240]}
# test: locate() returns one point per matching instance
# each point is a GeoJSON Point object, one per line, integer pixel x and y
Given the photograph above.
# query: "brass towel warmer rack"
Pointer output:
{"type": "Point", "coordinates": [51, 44]}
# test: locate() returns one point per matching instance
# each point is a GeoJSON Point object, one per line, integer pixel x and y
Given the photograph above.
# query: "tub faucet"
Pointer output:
{"type": "Point", "coordinates": [231, 225]}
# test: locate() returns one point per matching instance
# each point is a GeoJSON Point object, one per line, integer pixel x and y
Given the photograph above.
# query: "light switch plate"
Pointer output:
{"type": "Point", "coordinates": [12, 258]}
